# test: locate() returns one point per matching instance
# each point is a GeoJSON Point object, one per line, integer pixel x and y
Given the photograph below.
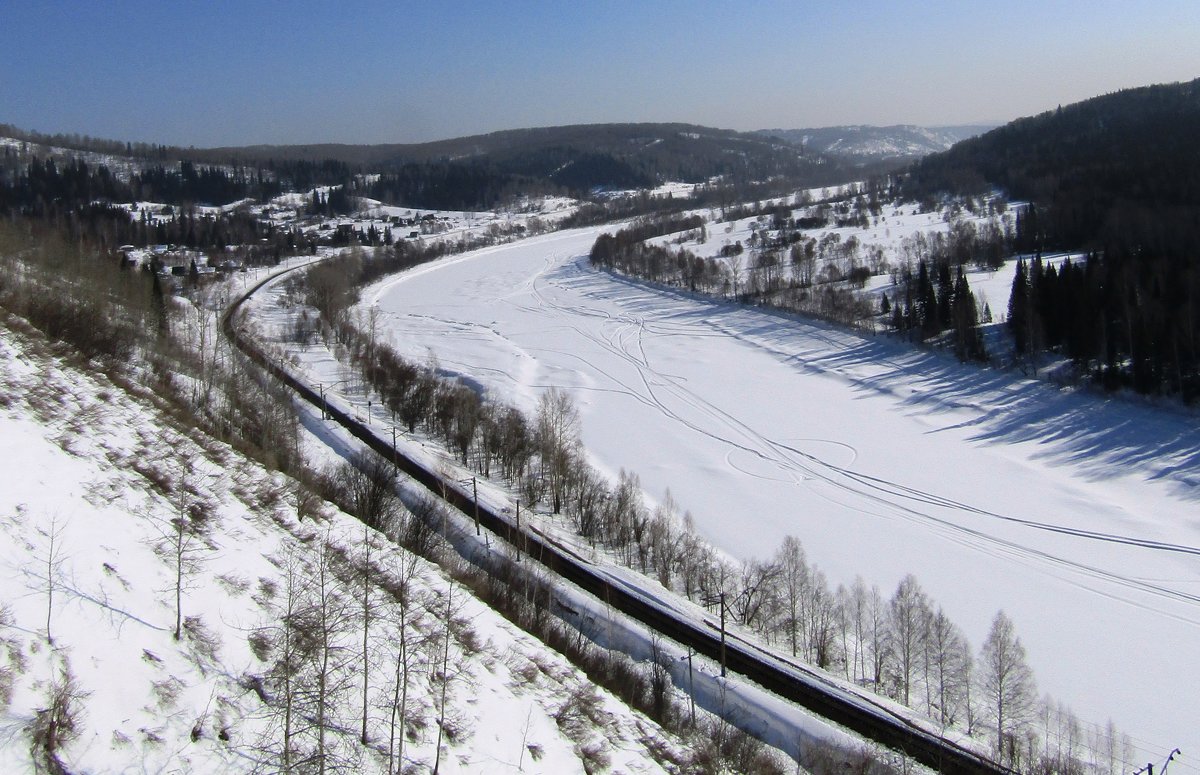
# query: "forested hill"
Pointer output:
{"type": "Point", "coordinates": [1087, 164]}
{"type": "Point", "coordinates": [581, 156]}
{"type": "Point", "coordinates": [476, 172]}
{"type": "Point", "coordinates": [1116, 176]}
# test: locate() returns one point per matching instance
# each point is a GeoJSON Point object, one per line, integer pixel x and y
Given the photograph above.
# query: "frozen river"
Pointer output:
{"type": "Point", "coordinates": [1075, 514]}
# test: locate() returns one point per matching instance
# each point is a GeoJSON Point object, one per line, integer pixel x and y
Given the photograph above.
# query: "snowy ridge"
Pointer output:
{"type": "Point", "coordinates": [874, 143]}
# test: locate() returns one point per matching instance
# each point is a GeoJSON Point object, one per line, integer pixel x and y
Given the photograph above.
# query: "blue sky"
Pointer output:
{"type": "Point", "coordinates": [217, 73]}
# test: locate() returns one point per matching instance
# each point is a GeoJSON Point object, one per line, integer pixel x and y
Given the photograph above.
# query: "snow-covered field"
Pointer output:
{"type": "Point", "coordinates": [1074, 513]}
{"type": "Point", "coordinates": [885, 234]}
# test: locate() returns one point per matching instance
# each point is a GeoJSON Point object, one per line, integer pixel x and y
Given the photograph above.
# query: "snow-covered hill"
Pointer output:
{"type": "Point", "coordinates": [97, 482]}
{"type": "Point", "coordinates": [863, 143]}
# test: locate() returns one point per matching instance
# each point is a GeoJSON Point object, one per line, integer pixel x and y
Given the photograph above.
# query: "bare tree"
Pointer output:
{"type": "Point", "coordinates": [733, 267]}
{"type": "Point", "coordinates": [1062, 736]}
{"type": "Point", "coordinates": [287, 664]}
{"type": "Point", "coordinates": [693, 556]}
{"type": "Point", "coordinates": [589, 490]}
{"type": "Point", "coordinates": [443, 677]}
{"type": "Point", "coordinates": [369, 483]}
{"type": "Point", "coordinates": [756, 599]}
{"type": "Point", "coordinates": [793, 585]}
{"type": "Point", "coordinates": [664, 539]}
{"type": "Point", "coordinates": [59, 722]}
{"type": "Point", "coordinates": [321, 621]}
{"type": "Point", "coordinates": [52, 559]}
{"type": "Point", "coordinates": [948, 674]}
{"type": "Point", "coordinates": [820, 621]}
{"type": "Point", "coordinates": [403, 593]}
{"type": "Point", "coordinates": [660, 679]}
{"type": "Point", "coordinates": [1006, 684]}
{"type": "Point", "coordinates": [366, 611]}
{"type": "Point", "coordinates": [417, 398]}
{"type": "Point", "coordinates": [877, 628]}
{"type": "Point", "coordinates": [855, 606]}
{"type": "Point", "coordinates": [1111, 751]}
{"type": "Point", "coordinates": [308, 503]}
{"type": "Point", "coordinates": [466, 414]}
{"type": "Point", "coordinates": [908, 617]}
{"type": "Point", "coordinates": [558, 434]}
{"type": "Point", "coordinates": [626, 509]}
{"type": "Point", "coordinates": [331, 286]}
{"type": "Point", "coordinates": [181, 540]}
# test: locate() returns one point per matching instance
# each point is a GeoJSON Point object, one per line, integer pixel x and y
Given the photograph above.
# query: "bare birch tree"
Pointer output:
{"type": "Point", "coordinates": [558, 434]}
{"type": "Point", "coordinates": [908, 616]}
{"type": "Point", "coordinates": [1006, 684]}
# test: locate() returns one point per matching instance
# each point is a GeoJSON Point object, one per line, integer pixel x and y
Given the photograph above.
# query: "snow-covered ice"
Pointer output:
{"type": "Point", "coordinates": [1073, 512]}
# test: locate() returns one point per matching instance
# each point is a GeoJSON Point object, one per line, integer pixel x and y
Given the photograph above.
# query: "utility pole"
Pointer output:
{"type": "Point", "coordinates": [475, 495]}
{"type": "Point", "coordinates": [518, 536]}
{"type": "Point", "coordinates": [691, 686]}
{"type": "Point", "coordinates": [1149, 768]}
{"type": "Point", "coordinates": [722, 634]}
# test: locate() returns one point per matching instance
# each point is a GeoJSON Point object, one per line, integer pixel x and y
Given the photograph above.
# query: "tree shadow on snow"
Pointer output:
{"type": "Point", "coordinates": [1100, 435]}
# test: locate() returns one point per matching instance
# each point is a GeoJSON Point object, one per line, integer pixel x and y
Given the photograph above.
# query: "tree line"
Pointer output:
{"type": "Point", "coordinates": [238, 404]}
{"type": "Point", "coordinates": [36, 187]}
{"type": "Point", "coordinates": [930, 302]}
{"type": "Point", "coordinates": [1126, 314]}
{"type": "Point", "coordinates": [83, 296]}
{"type": "Point", "coordinates": [778, 268]}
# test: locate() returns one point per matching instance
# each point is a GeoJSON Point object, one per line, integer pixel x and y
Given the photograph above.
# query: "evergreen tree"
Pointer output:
{"type": "Point", "coordinates": [968, 341]}
{"type": "Point", "coordinates": [1018, 308]}
{"type": "Point", "coordinates": [927, 308]}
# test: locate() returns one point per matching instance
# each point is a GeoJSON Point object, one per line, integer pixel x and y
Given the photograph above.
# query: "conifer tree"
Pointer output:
{"type": "Point", "coordinates": [1018, 308]}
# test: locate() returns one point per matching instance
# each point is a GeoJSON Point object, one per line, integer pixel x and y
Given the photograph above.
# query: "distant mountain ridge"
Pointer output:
{"type": "Point", "coordinates": [478, 171]}
{"type": "Point", "coordinates": [579, 156]}
{"type": "Point", "coordinates": [865, 144]}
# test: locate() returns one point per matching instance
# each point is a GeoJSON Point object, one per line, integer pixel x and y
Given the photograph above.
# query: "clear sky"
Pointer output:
{"type": "Point", "coordinates": [233, 73]}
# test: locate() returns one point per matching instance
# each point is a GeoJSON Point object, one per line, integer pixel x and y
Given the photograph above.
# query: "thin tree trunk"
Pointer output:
{"type": "Point", "coordinates": [366, 608]}
{"type": "Point", "coordinates": [445, 680]}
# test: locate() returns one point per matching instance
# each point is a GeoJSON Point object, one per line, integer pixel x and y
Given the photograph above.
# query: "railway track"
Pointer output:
{"type": "Point", "coordinates": [788, 680]}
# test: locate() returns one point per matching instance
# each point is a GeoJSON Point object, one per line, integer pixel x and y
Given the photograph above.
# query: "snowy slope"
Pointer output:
{"type": "Point", "coordinates": [103, 473]}
{"type": "Point", "coordinates": [1073, 513]}
{"type": "Point", "coordinates": [873, 143]}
